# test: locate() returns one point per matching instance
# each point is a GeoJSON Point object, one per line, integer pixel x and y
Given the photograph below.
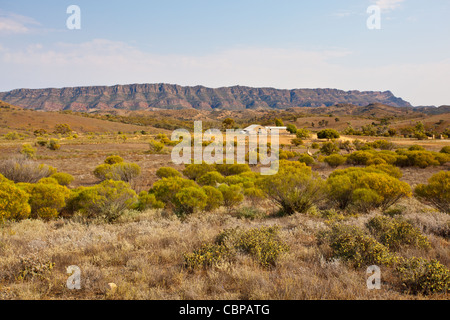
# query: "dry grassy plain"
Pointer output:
{"type": "Point", "coordinates": [142, 253]}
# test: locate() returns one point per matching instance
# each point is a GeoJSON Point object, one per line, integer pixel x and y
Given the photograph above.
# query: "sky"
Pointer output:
{"type": "Point", "coordinates": [283, 44]}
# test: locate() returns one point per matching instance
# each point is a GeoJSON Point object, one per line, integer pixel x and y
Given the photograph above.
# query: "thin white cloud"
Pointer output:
{"type": "Point", "coordinates": [389, 5]}
{"type": "Point", "coordinates": [104, 62]}
{"type": "Point", "coordinates": [11, 23]}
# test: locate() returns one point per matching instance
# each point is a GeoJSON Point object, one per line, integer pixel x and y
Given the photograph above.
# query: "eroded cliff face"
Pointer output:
{"type": "Point", "coordinates": [166, 96]}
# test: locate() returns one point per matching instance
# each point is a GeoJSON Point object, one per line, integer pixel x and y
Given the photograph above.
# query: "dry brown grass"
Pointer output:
{"type": "Point", "coordinates": [143, 255]}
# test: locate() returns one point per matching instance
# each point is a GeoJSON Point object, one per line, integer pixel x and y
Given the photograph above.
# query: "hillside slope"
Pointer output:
{"type": "Point", "coordinates": [166, 96]}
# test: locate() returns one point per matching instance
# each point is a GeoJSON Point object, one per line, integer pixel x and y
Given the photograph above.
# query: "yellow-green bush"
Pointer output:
{"type": "Point", "coordinates": [306, 159]}
{"type": "Point", "coordinates": [207, 255]}
{"type": "Point", "coordinates": [167, 172]}
{"type": "Point", "coordinates": [195, 171]}
{"type": "Point", "coordinates": [437, 192]}
{"type": "Point", "coordinates": [108, 200]}
{"type": "Point", "coordinates": [211, 179]}
{"type": "Point", "coordinates": [156, 147]}
{"type": "Point", "coordinates": [148, 201]}
{"type": "Point", "coordinates": [122, 171]}
{"type": "Point", "coordinates": [13, 201]}
{"type": "Point", "coordinates": [424, 276]}
{"type": "Point", "coordinates": [113, 160]}
{"type": "Point", "coordinates": [232, 195]}
{"type": "Point", "coordinates": [421, 159]}
{"type": "Point", "coordinates": [397, 233]}
{"type": "Point", "coordinates": [62, 178]}
{"type": "Point", "coordinates": [28, 151]}
{"type": "Point", "coordinates": [190, 199]}
{"type": "Point", "coordinates": [46, 199]}
{"type": "Point", "coordinates": [166, 189]}
{"type": "Point", "coordinates": [232, 169]}
{"type": "Point", "coordinates": [53, 144]}
{"type": "Point", "coordinates": [335, 160]}
{"type": "Point", "coordinates": [214, 198]}
{"type": "Point", "coordinates": [263, 244]}
{"type": "Point", "coordinates": [351, 244]}
{"type": "Point", "coordinates": [295, 188]}
{"type": "Point", "coordinates": [343, 183]}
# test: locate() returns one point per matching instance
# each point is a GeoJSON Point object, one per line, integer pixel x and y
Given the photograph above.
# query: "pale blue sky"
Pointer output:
{"type": "Point", "coordinates": [282, 44]}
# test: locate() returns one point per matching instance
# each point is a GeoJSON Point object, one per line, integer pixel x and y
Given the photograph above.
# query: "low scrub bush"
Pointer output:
{"type": "Point", "coordinates": [263, 244]}
{"type": "Point", "coordinates": [211, 179]}
{"type": "Point", "coordinates": [420, 276]}
{"type": "Point", "coordinates": [295, 188]}
{"type": "Point", "coordinates": [46, 199]}
{"type": "Point", "coordinates": [190, 200]}
{"type": "Point", "coordinates": [397, 233]}
{"type": "Point", "coordinates": [351, 244]}
{"type": "Point", "coordinates": [107, 200]}
{"type": "Point", "coordinates": [167, 172]}
{"type": "Point", "coordinates": [306, 159]}
{"type": "Point", "coordinates": [13, 202]}
{"type": "Point", "coordinates": [62, 178]}
{"type": "Point", "coordinates": [214, 198]}
{"type": "Point", "coordinates": [343, 183]}
{"type": "Point", "coordinates": [437, 192]}
{"type": "Point", "coordinates": [206, 256]}
{"type": "Point", "coordinates": [121, 171]}
{"type": "Point", "coordinates": [335, 160]}
{"type": "Point", "coordinates": [165, 190]}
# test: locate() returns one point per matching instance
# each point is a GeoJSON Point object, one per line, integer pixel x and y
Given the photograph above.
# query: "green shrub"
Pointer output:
{"type": "Point", "coordinates": [295, 188]}
{"type": "Point", "coordinates": [166, 189]}
{"type": "Point", "coordinates": [53, 144]}
{"type": "Point", "coordinates": [343, 183]}
{"type": "Point", "coordinates": [291, 128]}
{"type": "Point", "coordinates": [335, 160]}
{"type": "Point", "coordinates": [250, 213]}
{"type": "Point", "coordinates": [396, 233]}
{"type": "Point", "coordinates": [148, 201]}
{"type": "Point", "coordinates": [445, 149]}
{"type": "Point", "coordinates": [206, 256]}
{"type": "Point", "coordinates": [122, 171]}
{"type": "Point", "coordinates": [351, 244]}
{"type": "Point", "coordinates": [366, 199]}
{"type": "Point", "coordinates": [232, 195]}
{"type": "Point", "coordinates": [437, 192]}
{"type": "Point", "coordinates": [107, 200]}
{"type": "Point", "coordinates": [189, 200]}
{"type": "Point", "coordinates": [113, 160]}
{"type": "Point", "coordinates": [254, 194]}
{"type": "Point", "coordinates": [214, 198]}
{"type": "Point", "coordinates": [13, 201]}
{"type": "Point", "coordinates": [306, 159]}
{"type": "Point", "coordinates": [416, 148]}
{"type": "Point", "coordinates": [195, 171]}
{"type": "Point", "coordinates": [303, 133]}
{"type": "Point", "coordinates": [424, 276]}
{"type": "Point", "coordinates": [232, 169]}
{"type": "Point", "coordinates": [359, 158]}
{"type": "Point", "coordinates": [46, 199]}
{"type": "Point", "coordinates": [156, 147]}
{"type": "Point", "coordinates": [167, 172]}
{"type": "Point", "coordinates": [28, 151]}
{"type": "Point", "coordinates": [48, 181]}
{"type": "Point", "coordinates": [421, 159]}
{"type": "Point", "coordinates": [328, 148]}
{"type": "Point", "coordinates": [328, 134]}
{"type": "Point", "coordinates": [211, 179]}
{"type": "Point", "coordinates": [387, 168]}
{"type": "Point", "coordinates": [62, 178]}
{"type": "Point", "coordinates": [263, 244]}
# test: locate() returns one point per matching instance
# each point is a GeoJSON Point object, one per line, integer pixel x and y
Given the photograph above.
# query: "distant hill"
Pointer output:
{"type": "Point", "coordinates": [167, 96]}
{"type": "Point", "coordinates": [14, 118]}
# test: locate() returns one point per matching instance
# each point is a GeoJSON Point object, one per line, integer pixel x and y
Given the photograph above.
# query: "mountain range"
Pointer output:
{"type": "Point", "coordinates": [168, 96]}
